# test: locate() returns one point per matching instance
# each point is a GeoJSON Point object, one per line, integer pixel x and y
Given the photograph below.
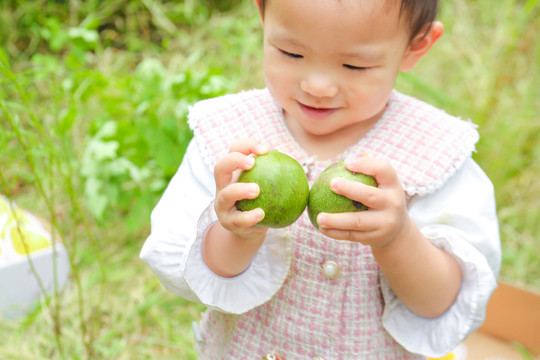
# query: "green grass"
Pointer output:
{"type": "Point", "coordinates": [93, 97]}
{"type": "Point", "coordinates": [487, 68]}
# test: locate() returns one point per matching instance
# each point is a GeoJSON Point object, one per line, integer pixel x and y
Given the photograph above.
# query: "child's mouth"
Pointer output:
{"type": "Point", "coordinates": [316, 113]}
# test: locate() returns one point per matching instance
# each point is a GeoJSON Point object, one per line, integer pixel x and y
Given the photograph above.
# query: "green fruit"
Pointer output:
{"type": "Point", "coordinates": [323, 199]}
{"type": "Point", "coordinates": [284, 189]}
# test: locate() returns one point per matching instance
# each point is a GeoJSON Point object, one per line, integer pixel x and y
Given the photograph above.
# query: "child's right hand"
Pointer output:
{"type": "Point", "coordinates": [228, 191]}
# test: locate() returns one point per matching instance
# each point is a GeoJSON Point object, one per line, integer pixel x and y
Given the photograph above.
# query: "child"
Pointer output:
{"type": "Point", "coordinates": [406, 279]}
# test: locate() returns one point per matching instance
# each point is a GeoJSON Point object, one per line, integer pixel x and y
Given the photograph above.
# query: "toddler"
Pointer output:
{"type": "Point", "coordinates": [408, 278]}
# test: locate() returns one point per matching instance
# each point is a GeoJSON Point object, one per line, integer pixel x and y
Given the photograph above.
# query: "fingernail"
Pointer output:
{"type": "Point", "coordinates": [262, 149]}
{"type": "Point", "coordinates": [321, 219]}
{"type": "Point", "coordinates": [349, 162]}
{"type": "Point", "coordinates": [254, 189]}
{"type": "Point", "coordinates": [260, 214]}
{"type": "Point", "coordinates": [334, 183]}
{"type": "Point", "coordinates": [250, 161]}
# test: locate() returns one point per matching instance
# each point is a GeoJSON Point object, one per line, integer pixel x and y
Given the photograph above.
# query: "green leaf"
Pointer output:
{"type": "Point", "coordinates": [88, 38]}
{"type": "Point", "coordinates": [96, 201]}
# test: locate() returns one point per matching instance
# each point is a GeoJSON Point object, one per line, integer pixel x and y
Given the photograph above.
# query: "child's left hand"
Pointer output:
{"type": "Point", "coordinates": [386, 219]}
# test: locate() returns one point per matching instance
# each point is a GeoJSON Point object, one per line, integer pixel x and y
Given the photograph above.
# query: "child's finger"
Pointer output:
{"type": "Point", "coordinates": [240, 221]}
{"type": "Point", "coordinates": [246, 219]}
{"type": "Point", "coordinates": [363, 237]}
{"type": "Point", "coordinates": [379, 168]}
{"type": "Point", "coordinates": [249, 146]}
{"type": "Point", "coordinates": [234, 192]}
{"type": "Point", "coordinates": [357, 221]}
{"type": "Point", "coordinates": [370, 196]}
{"type": "Point", "coordinates": [223, 171]}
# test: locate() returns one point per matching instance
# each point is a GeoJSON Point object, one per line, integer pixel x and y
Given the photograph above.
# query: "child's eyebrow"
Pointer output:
{"type": "Point", "coordinates": [286, 39]}
{"type": "Point", "coordinates": [365, 54]}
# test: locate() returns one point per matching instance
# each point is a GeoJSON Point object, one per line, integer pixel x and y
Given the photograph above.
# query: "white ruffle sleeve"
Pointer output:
{"type": "Point", "coordinates": [173, 249]}
{"type": "Point", "coordinates": [461, 219]}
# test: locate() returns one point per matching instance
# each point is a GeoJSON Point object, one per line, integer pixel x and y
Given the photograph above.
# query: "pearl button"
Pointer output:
{"type": "Point", "coordinates": [330, 269]}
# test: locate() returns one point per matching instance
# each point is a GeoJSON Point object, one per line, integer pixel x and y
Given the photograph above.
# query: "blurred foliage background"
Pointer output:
{"type": "Point", "coordinates": [93, 100]}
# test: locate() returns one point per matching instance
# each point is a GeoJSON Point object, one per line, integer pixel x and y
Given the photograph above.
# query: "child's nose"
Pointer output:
{"type": "Point", "coordinates": [319, 85]}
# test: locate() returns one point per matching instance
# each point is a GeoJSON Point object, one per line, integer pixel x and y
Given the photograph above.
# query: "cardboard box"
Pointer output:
{"type": "Point", "coordinates": [29, 265]}
{"type": "Point", "coordinates": [512, 325]}
{"type": "Point", "coordinates": [512, 321]}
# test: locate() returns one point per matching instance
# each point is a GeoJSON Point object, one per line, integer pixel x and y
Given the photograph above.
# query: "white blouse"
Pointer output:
{"type": "Point", "coordinates": [460, 218]}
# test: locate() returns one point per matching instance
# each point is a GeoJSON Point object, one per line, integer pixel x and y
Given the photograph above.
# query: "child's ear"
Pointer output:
{"type": "Point", "coordinates": [420, 45]}
{"type": "Point", "coordinates": [258, 2]}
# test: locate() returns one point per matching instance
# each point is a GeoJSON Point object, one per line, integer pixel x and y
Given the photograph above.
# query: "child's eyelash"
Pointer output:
{"type": "Point", "coordinates": [298, 56]}
{"type": "Point", "coordinates": [357, 68]}
{"type": "Point", "coordinates": [289, 54]}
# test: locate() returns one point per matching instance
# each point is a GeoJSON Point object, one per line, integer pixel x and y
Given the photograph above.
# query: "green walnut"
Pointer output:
{"type": "Point", "coordinates": [284, 189]}
{"type": "Point", "coordinates": [323, 199]}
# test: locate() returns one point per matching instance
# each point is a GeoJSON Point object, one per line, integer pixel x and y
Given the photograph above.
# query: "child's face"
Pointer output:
{"type": "Point", "coordinates": [332, 64]}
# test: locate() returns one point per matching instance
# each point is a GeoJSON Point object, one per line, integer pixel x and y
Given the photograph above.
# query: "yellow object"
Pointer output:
{"type": "Point", "coordinates": [25, 242]}
{"type": "Point", "coordinates": [450, 356]}
{"type": "Point", "coordinates": [21, 233]}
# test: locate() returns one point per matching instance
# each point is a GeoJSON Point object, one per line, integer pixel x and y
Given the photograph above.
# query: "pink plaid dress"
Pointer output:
{"type": "Point", "coordinates": [314, 314]}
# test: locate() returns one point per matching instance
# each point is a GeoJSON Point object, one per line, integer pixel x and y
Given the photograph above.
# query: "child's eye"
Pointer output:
{"type": "Point", "coordinates": [292, 55]}
{"type": "Point", "coordinates": [357, 68]}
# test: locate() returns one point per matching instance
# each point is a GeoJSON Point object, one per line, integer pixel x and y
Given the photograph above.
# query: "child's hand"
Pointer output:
{"type": "Point", "coordinates": [228, 191]}
{"type": "Point", "coordinates": [386, 219]}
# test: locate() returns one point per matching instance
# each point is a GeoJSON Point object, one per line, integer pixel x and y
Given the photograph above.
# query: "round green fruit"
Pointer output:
{"type": "Point", "coordinates": [323, 199]}
{"type": "Point", "coordinates": [284, 189]}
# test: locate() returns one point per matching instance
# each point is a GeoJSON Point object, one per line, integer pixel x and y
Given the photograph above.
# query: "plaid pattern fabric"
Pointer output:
{"type": "Point", "coordinates": [424, 144]}
{"type": "Point", "coordinates": [312, 315]}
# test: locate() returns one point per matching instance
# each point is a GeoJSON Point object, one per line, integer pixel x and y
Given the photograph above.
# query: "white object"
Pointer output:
{"type": "Point", "coordinates": [28, 270]}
